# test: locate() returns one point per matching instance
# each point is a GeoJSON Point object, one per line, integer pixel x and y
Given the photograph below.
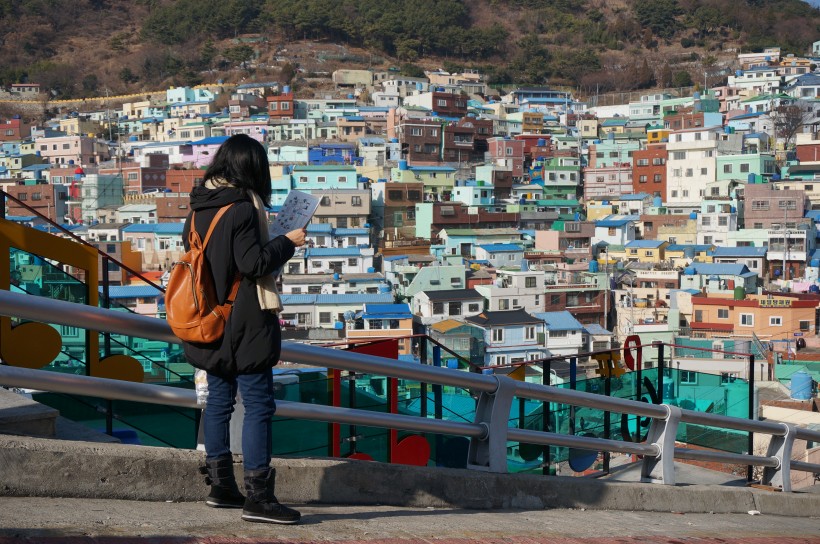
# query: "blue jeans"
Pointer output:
{"type": "Point", "coordinates": [257, 398]}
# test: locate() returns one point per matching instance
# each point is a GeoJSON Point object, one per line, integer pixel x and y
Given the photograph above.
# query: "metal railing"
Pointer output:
{"type": "Point", "coordinates": [488, 433]}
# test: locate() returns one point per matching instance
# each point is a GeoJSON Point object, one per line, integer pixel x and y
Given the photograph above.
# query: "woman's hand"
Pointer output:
{"type": "Point", "coordinates": [297, 237]}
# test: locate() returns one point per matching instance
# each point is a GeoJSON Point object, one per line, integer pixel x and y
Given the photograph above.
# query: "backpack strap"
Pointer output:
{"type": "Point", "coordinates": [214, 221]}
{"type": "Point", "coordinates": [238, 277]}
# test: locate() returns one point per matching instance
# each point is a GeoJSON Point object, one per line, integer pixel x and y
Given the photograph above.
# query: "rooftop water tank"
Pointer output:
{"type": "Point", "coordinates": [385, 288]}
{"type": "Point", "coordinates": [286, 89]}
{"type": "Point", "coordinates": [657, 201]}
{"type": "Point", "coordinates": [593, 266]}
{"type": "Point", "coordinates": [689, 271]}
{"type": "Point", "coordinates": [541, 142]}
{"type": "Point", "coordinates": [696, 95]}
{"type": "Point", "coordinates": [402, 165]}
{"type": "Point", "coordinates": [338, 325]}
{"type": "Point", "coordinates": [739, 293]}
{"type": "Point", "coordinates": [336, 276]}
{"type": "Point", "coordinates": [815, 263]}
{"type": "Point", "coordinates": [800, 388]}
{"type": "Point", "coordinates": [370, 270]}
{"type": "Point", "coordinates": [693, 215]}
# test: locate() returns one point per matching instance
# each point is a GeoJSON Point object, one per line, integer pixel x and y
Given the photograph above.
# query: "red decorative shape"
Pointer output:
{"type": "Point", "coordinates": [412, 450]}
{"type": "Point", "coordinates": [633, 342]}
{"type": "Point", "coordinates": [360, 456]}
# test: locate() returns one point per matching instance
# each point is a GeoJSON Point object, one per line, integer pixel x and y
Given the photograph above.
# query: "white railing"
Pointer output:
{"type": "Point", "coordinates": [488, 433]}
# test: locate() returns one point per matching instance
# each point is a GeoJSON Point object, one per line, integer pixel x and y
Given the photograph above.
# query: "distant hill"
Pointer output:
{"type": "Point", "coordinates": [88, 47]}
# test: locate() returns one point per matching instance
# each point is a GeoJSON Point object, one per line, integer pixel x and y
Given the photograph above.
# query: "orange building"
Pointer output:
{"type": "Point", "coordinates": [769, 317]}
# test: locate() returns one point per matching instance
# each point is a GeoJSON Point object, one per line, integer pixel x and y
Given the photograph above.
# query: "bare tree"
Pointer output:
{"type": "Point", "coordinates": [789, 119]}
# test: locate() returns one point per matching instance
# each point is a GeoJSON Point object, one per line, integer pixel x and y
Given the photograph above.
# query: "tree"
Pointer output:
{"type": "Point", "coordinates": [239, 54]}
{"type": "Point", "coordinates": [287, 73]}
{"type": "Point", "coordinates": [127, 76]}
{"type": "Point", "coordinates": [682, 79]}
{"type": "Point", "coordinates": [789, 119]}
{"type": "Point", "coordinates": [658, 15]}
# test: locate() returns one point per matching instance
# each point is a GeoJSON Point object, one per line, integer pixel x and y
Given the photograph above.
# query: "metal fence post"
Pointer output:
{"type": "Point", "coordinates": [781, 448]}
{"type": "Point", "coordinates": [662, 433]}
{"type": "Point", "coordinates": [752, 415]}
{"type": "Point", "coordinates": [493, 412]}
{"type": "Point", "coordinates": [423, 385]}
{"type": "Point", "coordinates": [546, 415]}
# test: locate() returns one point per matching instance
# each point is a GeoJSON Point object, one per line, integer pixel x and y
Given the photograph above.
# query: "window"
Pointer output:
{"type": "Point", "coordinates": [455, 283]}
{"type": "Point", "coordinates": [760, 205]}
{"type": "Point", "coordinates": [498, 335]}
{"type": "Point", "coordinates": [657, 178]}
{"type": "Point", "coordinates": [504, 304]}
{"type": "Point", "coordinates": [454, 308]}
{"type": "Point", "coordinates": [352, 262]}
{"type": "Point", "coordinates": [529, 282]}
{"type": "Point", "coordinates": [804, 325]}
{"type": "Point", "coordinates": [642, 179]}
{"type": "Point", "coordinates": [415, 131]}
{"type": "Point", "coordinates": [438, 308]}
{"type": "Point", "coordinates": [529, 333]}
{"type": "Point", "coordinates": [112, 248]}
{"type": "Point", "coordinates": [723, 313]}
{"type": "Point", "coordinates": [325, 201]}
{"type": "Point", "coordinates": [688, 377]}
{"type": "Point", "coordinates": [356, 201]}
{"type": "Point", "coordinates": [744, 168]}
{"type": "Point", "coordinates": [473, 307]}
{"type": "Point", "coordinates": [36, 196]}
{"type": "Point", "coordinates": [747, 320]}
{"type": "Point", "coordinates": [775, 321]}
{"type": "Point", "coordinates": [707, 239]}
{"type": "Point", "coordinates": [698, 316]}
{"type": "Point", "coordinates": [66, 330]}
{"type": "Point", "coordinates": [727, 168]}
{"type": "Point", "coordinates": [679, 155]}
{"type": "Point", "coordinates": [22, 196]}
{"type": "Point", "coordinates": [706, 221]}
{"type": "Point", "coordinates": [321, 179]}
{"type": "Point", "coordinates": [555, 300]}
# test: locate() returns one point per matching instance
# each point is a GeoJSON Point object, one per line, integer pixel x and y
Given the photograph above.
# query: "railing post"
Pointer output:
{"type": "Point", "coordinates": [438, 398]}
{"type": "Point", "coordinates": [661, 370]}
{"type": "Point", "coordinates": [423, 385]}
{"type": "Point", "coordinates": [781, 448]}
{"type": "Point", "coordinates": [492, 411]}
{"type": "Point", "coordinates": [662, 433]}
{"type": "Point", "coordinates": [546, 415]}
{"type": "Point", "coordinates": [106, 303]}
{"type": "Point", "coordinates": [752, 415]}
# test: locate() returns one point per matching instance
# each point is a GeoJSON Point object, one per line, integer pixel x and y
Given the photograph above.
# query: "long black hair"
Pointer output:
{"type": "Point", "coordinates": [242, 161]}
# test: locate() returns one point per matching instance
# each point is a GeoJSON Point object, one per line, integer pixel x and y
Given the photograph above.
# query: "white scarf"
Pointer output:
{"type": "Point", "coordinates": [266, 288]}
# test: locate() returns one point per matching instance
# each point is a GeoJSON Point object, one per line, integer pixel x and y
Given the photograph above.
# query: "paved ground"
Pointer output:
{"type": "Point", "coordinates": [94, 521]}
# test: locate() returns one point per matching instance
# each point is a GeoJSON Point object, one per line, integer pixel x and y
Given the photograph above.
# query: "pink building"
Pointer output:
{"type": "Point", "coordinates": [203, 151]}
{"type": "Point", "coordinates": [508, 153]}
{"type": "Point", "coordinates": [79, 150]}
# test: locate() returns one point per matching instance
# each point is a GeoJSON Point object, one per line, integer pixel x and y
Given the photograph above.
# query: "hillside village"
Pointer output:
{"type": "Point", "coordinates": [508, 228]}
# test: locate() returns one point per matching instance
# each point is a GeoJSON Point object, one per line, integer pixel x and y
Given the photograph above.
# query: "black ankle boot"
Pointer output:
{"type": "Point", "coordinates": [224, 491]}
{"type": "Point", "coordinates": [261, 505]}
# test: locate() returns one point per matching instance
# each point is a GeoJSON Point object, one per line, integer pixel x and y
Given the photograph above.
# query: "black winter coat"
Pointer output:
{"type": "Point", "coordinates": [252, 339]}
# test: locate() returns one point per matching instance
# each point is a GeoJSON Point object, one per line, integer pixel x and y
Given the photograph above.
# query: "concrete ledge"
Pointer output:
{"type": "Point", "coordinates": [21, 415]}
{"type": "Point", "coordinates": [58, 468]}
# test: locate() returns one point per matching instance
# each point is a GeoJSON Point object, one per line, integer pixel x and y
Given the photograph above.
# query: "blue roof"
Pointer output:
{"type": "Point", "coordinates": [386, 311]}
{"type": "Point", "coordinates": [719, 269]}
{"type": "Point", "coordinates": [560, 321]}
{"type": "Point", "coordinates": [500, 248]}
{"type": "Point", "coordinates": [636, 196]}
{"type": "Point", "coordinates": [132, 291]}
{"type": "Point", "coordinates": [594, 328]}
{"type": "Point", "coordinates": [644, 244]}
{"type": "Point", "coordinates": [684, 247]}
{"type": "Point", "coordinates": [813, 215]}
{"type": "Point", "coordinates": [616, 221]}
{"type": "Point", "coordinates": [431, 169]}
{"type": "Point", "coordinates": [36, 167]}
{"type": "Point", "coordinates": [337, 145]}
{"type": "Point", "coordinates": [739, 252]}
{"type": "Point", "coordinates": [21, 218]}
{"type": "Point", "coordinates": [749, 115]}
{"type": "Point", "coordinates": [156, 228]}
{"type": "Point", "coordinates": [350, 231]}
{"type": "Point", "coordinates": [351, 298]}
{"type": "Point", "coordinates": [213, 140]}
{"type": "Point", "coordinates": [394, 258]}
{"type": "Point", "coordinates": [333, 252]}
{"type": "Point", "coordinates": [318, 227]}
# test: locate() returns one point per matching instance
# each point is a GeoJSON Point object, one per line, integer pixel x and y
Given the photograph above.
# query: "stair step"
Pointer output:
{"type": "Point", "coordinates": [23, 416]}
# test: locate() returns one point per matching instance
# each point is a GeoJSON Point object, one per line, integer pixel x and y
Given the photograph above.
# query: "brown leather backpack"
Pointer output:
{"type": "Point", "coordinates": [190, 295]}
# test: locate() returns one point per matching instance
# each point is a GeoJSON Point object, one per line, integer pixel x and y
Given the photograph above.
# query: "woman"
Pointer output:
{"type": "Point", "coordinates": [242, 360]}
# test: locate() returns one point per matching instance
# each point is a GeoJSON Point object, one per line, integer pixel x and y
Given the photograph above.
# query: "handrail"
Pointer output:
{"type": "Point", "coordinates": [79, 240]}
{"type": "Point", "coordinates": [489, 433]}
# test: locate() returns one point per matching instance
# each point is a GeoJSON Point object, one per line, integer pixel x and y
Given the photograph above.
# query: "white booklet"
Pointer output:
{"type": "Point", "coordinates": [296, 212]}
